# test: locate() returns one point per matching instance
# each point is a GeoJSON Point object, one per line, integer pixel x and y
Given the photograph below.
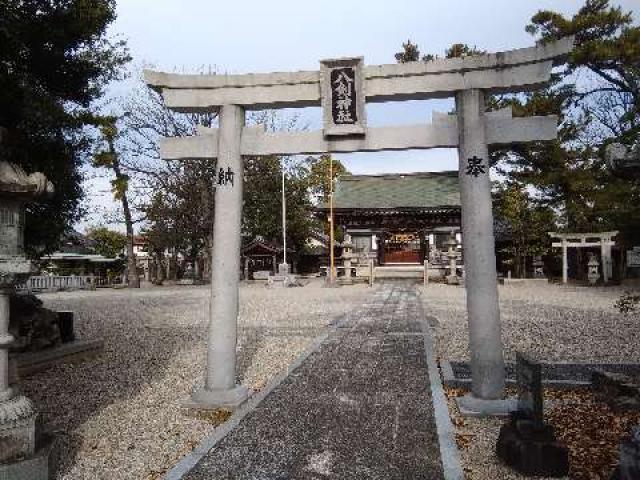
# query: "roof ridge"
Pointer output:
{"type": "Point", "coordinates": [444, 173]}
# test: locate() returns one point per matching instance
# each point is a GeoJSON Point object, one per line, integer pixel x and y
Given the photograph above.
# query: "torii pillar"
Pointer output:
{"type": "Point", "coordinates": [485, 339]}
{"type": "Point", "coordinates": [220, 388]}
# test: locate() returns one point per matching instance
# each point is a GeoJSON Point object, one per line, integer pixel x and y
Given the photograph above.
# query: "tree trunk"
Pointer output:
{"type": "Point", "coordinates": [132, 269]}
{"type": "Point", "coordinates": [160, 270]}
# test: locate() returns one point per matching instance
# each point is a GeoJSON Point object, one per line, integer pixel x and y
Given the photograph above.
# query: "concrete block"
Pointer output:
{"type": "Point", "coordinates": [41, 466]}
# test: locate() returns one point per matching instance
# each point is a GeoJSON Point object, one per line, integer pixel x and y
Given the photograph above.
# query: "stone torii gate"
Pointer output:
{"type": "Point", "coordinates": [586, 240]}
{"type": "Point", "coordinates": [342, 87]}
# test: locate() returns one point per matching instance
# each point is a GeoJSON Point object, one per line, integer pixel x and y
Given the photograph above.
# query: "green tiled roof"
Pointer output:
{"type": "Point", "coordinates": [411, 190]}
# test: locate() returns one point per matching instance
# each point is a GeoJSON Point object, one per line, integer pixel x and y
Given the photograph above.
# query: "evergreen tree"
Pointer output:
{"type": "Point", "coordinates": [318, 175]}
{"type": "Point", "coordinates": [55, 60]}
{"type": "Point", "coordinates": [108, 243]}
{"type": "Point", "coordinates": [596, 98]}
{"type": "Point", "coordinates": [525, 223]}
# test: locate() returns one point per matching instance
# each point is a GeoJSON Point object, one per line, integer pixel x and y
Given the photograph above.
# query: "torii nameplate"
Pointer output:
{"type": "Point", "coordinates": [342, 92]}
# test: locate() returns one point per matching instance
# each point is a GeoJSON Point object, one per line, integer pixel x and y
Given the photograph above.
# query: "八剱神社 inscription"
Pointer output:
{"type": "Point", "coordinates": [343, 96]}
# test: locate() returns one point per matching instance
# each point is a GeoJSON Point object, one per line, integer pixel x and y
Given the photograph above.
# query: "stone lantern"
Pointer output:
{"type": "Point", "coordinates": [593, 272]}
{"type": "Point", "coordinates": [18, 449]}
{"type": "Point", "coordinates": [452, 255]}
{"type": "Point", "coordinates": [347, 256]}
{"type": "Point", "coordinates": [538, 267]}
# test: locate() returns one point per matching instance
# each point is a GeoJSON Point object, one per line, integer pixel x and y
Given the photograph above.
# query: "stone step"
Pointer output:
{"type": "Point", "coordinates": [399, 271]}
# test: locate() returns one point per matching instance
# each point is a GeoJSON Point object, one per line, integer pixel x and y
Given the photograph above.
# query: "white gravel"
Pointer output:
{"type": "Point", "coordinates": [552, 322]}
{"type": "Point", "coordinates": [118, 416]}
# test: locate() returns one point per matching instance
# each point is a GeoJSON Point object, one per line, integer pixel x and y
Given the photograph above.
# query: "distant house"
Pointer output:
{"type": "Point", "coordinates": [140, 246]}
{"type": "Point", "coordinates": [76, 256]}
{"type": "Point", "coordinates": [398, 218]}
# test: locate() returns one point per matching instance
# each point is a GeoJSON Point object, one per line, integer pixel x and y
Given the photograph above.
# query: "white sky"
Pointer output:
{"type": "Point", "coordinates": [283, 35]}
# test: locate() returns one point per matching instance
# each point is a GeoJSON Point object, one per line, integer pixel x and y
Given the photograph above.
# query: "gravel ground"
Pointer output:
{"type": "Point", "coordinates": [118, 416]}
{"type": "Point", "coordinates": [553, 322]}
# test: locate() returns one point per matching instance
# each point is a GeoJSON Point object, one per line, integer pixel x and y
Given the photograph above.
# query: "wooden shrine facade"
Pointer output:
{"type": "Point", "coordinates": [398, 218]}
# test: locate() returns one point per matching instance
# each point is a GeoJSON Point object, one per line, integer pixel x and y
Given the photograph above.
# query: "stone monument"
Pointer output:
{"type": "Point", "coordinates": [21, 454]}
{"type": "Point", "coordinates": [526, 443]}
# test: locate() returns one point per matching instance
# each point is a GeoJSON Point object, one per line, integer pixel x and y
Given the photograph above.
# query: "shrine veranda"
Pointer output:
{"type": "Point", "coordinates": [342, 87]}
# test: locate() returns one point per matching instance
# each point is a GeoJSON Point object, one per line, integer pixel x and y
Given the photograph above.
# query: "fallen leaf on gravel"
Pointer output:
{"type": "Point", "coordinates": [591, 431]}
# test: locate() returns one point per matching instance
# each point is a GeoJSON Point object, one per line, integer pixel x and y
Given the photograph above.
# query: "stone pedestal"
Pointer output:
{"type": "Point", "coordinates": [40, 466]}
{"type": "Point", "coordinates": [532, 450]}
{"type": "Point", "coordinates": [229, 398]}
{"type": "Point", "coordinates": [283, 269]}
{"type": "Point", "coordinates": [17, 428]}
{"type": "Point", "coordinates": [17, 414]}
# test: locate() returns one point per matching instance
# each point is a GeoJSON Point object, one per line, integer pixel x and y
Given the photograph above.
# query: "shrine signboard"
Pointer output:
{"type": "Point", "coordinates": [343, 102]}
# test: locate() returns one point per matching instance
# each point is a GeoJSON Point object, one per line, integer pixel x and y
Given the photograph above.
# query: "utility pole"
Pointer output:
{"type": "Point", "coordinates": [332, 275]}
{"type": "Point", "coordinates": [284, 219]}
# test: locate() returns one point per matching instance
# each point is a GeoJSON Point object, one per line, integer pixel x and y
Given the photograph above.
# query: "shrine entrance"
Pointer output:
{"type": "Point", "coordinates": [402, 247]}
{"type": "Point", "coordinates": [342, 87]}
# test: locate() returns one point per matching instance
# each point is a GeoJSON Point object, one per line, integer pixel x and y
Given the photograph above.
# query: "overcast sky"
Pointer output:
{"type": "Point", "coordinates": [284, 35]}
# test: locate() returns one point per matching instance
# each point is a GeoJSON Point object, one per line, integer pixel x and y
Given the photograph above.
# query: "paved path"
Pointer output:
{"type": "Point", "coordinates": [359, 407]}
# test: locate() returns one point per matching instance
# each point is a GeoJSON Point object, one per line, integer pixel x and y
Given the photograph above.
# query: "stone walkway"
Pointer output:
{"type": "Point", "coordinates": [359, 406]}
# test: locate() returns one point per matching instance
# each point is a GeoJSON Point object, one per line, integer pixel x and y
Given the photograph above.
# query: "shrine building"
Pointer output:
{"type": "Point", "coordinates": [398, 218]}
